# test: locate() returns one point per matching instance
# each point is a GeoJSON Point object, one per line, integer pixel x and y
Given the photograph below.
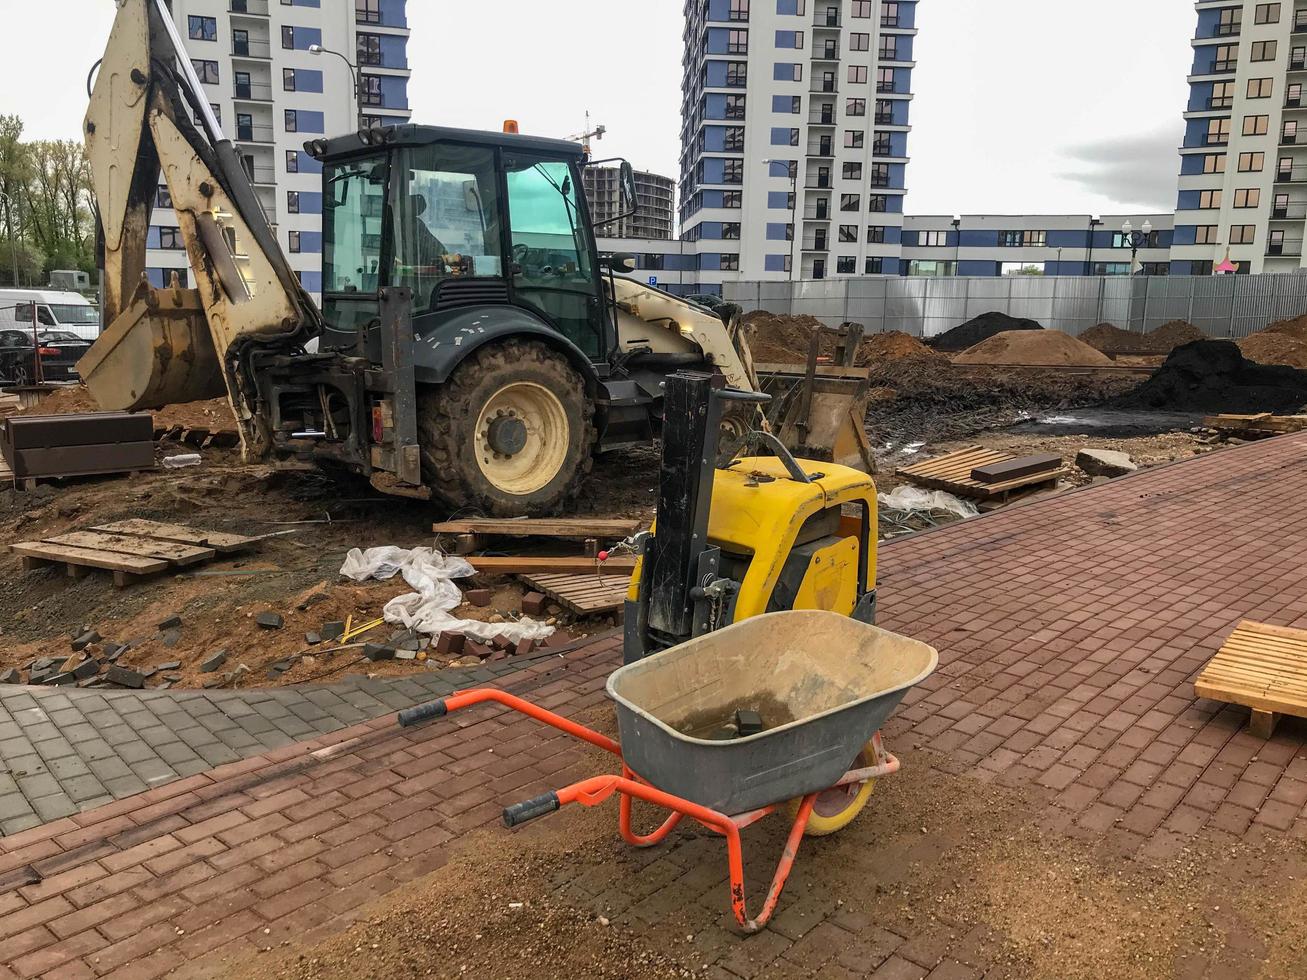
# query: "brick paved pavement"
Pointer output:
{"type": "Point", "coordinates": [1069, 630]}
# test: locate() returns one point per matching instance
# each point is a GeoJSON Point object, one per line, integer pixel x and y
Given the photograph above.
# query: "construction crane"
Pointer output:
{"type": "Point", "coordinates": [584, 138]}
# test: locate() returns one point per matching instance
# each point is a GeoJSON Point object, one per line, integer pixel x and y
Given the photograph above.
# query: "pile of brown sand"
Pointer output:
{"type": "Point", "coordinates": [894, 345]}
{"type": "Point", "coordinates": [214, 414]}
{"type": "Point", "coordinates": [1111, 339]}
{"type": "Point", "coordinates": [781, 339]}
{"type": "Point", "coordinates": [1275, 348]}
{"type": "Point", "coordinates": [1034, 347]}
{"type": "Point", "coordinates": [1169, 336]}
{"type": "Point", "coordinates": [1295, 327]}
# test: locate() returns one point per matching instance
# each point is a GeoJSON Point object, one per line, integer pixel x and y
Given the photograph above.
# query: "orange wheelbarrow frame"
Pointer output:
{"type": "Point", "coordinates": [629, 786]}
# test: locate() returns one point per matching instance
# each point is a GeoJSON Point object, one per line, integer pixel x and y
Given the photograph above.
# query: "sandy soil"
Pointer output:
{"type": "Point", "coordinates": [1036, 347]}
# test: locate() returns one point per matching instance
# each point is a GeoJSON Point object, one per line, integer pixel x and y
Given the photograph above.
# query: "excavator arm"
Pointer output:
{"type": "Point", "coordinates": [170, 345]}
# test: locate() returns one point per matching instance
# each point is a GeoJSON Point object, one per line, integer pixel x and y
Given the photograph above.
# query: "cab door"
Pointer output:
{"type": "Point", "coordinates": [551, 260]}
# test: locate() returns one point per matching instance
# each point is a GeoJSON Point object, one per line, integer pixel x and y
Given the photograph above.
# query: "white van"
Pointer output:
{"type": "Point", "coordinates": [55, 310]}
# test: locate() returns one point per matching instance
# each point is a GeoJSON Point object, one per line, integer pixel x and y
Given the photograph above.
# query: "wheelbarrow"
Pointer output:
{"type": "Point", "coordinates": [822, 684]}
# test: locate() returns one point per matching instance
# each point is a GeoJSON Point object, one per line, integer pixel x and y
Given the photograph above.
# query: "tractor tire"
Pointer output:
{"type": "Point", "coordinates": [509, 434]}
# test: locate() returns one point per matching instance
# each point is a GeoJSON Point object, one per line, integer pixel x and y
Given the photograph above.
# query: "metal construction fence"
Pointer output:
{"type": "Point", "coordinates": [1220, 306]}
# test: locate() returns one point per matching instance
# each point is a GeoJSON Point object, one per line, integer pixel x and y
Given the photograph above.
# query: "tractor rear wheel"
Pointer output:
{"type": "Point", "coordinates": [510, 433]}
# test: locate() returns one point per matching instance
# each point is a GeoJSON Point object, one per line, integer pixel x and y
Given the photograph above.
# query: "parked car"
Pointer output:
{"type": "Point", "coordinates": [58, 351]}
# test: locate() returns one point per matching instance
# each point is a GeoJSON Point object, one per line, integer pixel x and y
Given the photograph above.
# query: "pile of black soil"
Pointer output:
{"type": "Point", "coordinates": [980, 328]}
{"type": "Point", "coordinates": [1214, 376]}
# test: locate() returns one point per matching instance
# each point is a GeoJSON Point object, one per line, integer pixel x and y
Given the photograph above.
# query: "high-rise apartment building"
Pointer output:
{"type": "Point", "coordinates": [794, 136]}
{"type": "Point", "coordinates": [1243, 173]}
{"type": "Point", "coordinates": [277, 73]}
{"type": "Point", "coordinates": [655, 213]}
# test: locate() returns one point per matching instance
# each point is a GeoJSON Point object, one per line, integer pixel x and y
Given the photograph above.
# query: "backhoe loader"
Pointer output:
{"type": "Point", "coordinates": [472, 344]}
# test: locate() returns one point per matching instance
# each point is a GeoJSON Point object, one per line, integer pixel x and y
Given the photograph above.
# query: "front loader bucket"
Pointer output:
{"type": "Point", "coordinates": [825, 422]}
{"type": "Point", "coordinates": [157, 352]}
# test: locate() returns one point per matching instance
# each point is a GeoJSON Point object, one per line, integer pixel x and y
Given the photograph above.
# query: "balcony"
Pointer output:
{"type": "Point", "coordinates": [252, 8]}
{"type": "Point", "coordinates": [1295, 102]}
{"type": "Point", "coordinates": [249, 133]}
{"type": "Point", "coordinates": [1298, 64]}
{"type": "Point", "coordinates": [1289, 212]}
{"type": "Point", "coordinates": [817, 214]}
{"type": "Point", "coordinates": [824, 85]}
{"type": "Point", "coordinates": [257, 49]}
{"type": "Point", "coordinates": [1291, 248]}
{"type": "Point", "coordinates": [1296, 175]}
{"type": "Point", "coordinates": [824, 118]}
{"type": "Point", "coordinates": [819, 183]}
{"type": "Point", "coordinates": [827, 51]}
{"type": "Point", "coordinates": [1300, 22]}
{"type": "Point", "coordinates": [261, 176]}
{"type": "Point", "coordinates": [815, 245]}
{"type": "Point", "coordinates": [249, 92]}
{"type": "Point", "coordinates": [1289, 139]}
{"type": "Point", "coordinates": [830, 17]}
{"type": "Point", "coordinates": [822, 148]}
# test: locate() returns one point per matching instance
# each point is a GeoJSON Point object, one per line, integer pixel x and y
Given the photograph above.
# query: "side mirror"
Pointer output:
{"type": "Point", "coordinates": [627, 174]}
{"type": "Point", "coordinates": [619, 262]}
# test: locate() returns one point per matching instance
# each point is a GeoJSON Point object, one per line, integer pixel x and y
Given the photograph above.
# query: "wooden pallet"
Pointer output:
{"type": "Point", "coordinates": [1261, 667]}
{"type": "Point", "coordinates": [586, 595]}
{"type": "Point", "coordinates": [532, 565]}
{"type": "Point", "coordinates": [129, 550]}
{"type": "Point", "coordinates": [952, 472]}
{"type": "Point", "coordinates": [1264, 424]}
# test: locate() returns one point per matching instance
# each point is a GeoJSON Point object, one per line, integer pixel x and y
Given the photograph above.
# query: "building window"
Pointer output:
{"type": "Point", "coordinates": [292, 121]}
{"type": "Point", "coordinates": [1222, 96]}
{"type": "Point", "coordinates": [859, 42]}
{"type": "Point", "coordinates": [1266, 13]}
{"type": "Point", "coordinates": [1225, 57]}
{"type": "Point", "coordinates": [858, 74]}
{"type": "Point", "coordinates": [846, 264]}
{"type": "Point", "coordinates": [1209, 200]}
{"type": "Point", "coordinates": [734, 140]}
{"type": "Point", "coordinates": [737, 74]}
{"type": "Point", "coordinates": [370, 91]}
{"type": "Point", "coordinates": [1243, 234]}
{"type": "Point", "coordinates": [293, 241]}
{"type": "Point", "coordinates": [162, 197]}
{"type": "Point", "coordinates": [854, 138]}
{"type": "Point", "coordinates": [796, 104]}
{"type": "Point", "coordinates": [875, 234]}
{"type": "Point", "coordinates": [652, 260]}
{"type": "Point", "coordinates": [1023, 239]}
{"type": "Point", "coordinates": [1247, 197]}
{"type": "Point", "coordinates": [1218, 132]}
{"type": "Point", "coordinates": [292, 161]}
{"type": "Point", "coordinates": [935, 239]}
{"type": "Point", "coordinates": [1263, 51]}
{"type": "Point", "coordinates": [287, 36]}
{"type": "Point", "coordinates": [737, 42]}
{"type": "Point", "coordinates": [889, 47]}
{"type": "Point", "coordinates": [1256, 125]}
{"type": "Point", "coordinates": [288, 79]}
{"type": "Point", "coordinates": [851, 171]}
{"type": "Point", "coordinates": [170, 239]}
{"type": "Point", "coordinates": [202, 28]}
{"type": "Point", "coordinates": [1152, 240]}
{"type": "Point", "coordinates": [848, 233]}
{"type": "Point", "coordinates": [207, 71]}
{"type": "Point", "coordinates": [1206, 235]}
{"type": "Point", "coordinates": [731, 230]}
{"type": "Point", "coordinates": [1249, 163]}
{"type": "Point", "coordinates": [878, 204]}
{"type": "Point", "coordinates": [730, 262]}
{"type": "Point", "coordinates": [733, 199]}
{"type": "Point", "coordinates": [1258, 88]}
{"type": "Point", "coordinates": [1228, 24]}
{"type": "Point", "coordinates": [862, 8]}
{"type": "Point", "coordinates": [875, 265]}
{"type": "Point", "coordinates": [884, 79]}
{"type": "Point", "coordinates": [855, 107]}
{"type": "Point", "coordinates": [368, 49]}
{"type": "Point", "coordinates": [293, 202]}
{"type": "Point", "coordinates": [735, 107]}
{"type": "Point", "coordinates": [1214, 163]}
{"type": "Point", "coordinates": [739, 10]}
{"type": "Point", "coordinates": [733, 172]}
{"type": "Point", "coordinates": [850, 202]}
{"type": "Point", "coordinates": [367, 11]}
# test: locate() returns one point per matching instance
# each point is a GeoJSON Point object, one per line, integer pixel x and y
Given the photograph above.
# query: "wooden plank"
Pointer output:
{"type": "Point", "coordinates": [220, 541]}
{"type": "Point", "coordinates": [110, 560]}
{"type": "Point", "coordinates": [180, 555]}
{"type": "Point", "coordinates": [510, 565]}
{"type": "Point", "coordinates": [1261, 667]}
{"type": "Point", "coordinates": [1014, 468]}
{"type": "Point", "coordinates": [952, 472]}
{"type": "Point", "coordinates": [560, 527]}
{"type": "Point", "coordinates": [581, 593]}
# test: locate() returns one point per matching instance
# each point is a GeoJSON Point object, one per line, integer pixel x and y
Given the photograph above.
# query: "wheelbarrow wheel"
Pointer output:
{"type": "Point", "coordinates": [835, 808]}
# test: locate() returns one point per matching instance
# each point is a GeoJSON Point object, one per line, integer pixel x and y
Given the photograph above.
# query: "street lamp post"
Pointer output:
{"type": "Point", "coordinates": [792, 168]}
{"type": "Point", "coordinates": [1135, 240]}
{"type": "Point", "coordinates": [1089, 260]}
{"type": "Point", "coordinates": [957, 245]}
{"type": "Point", "coordinates": [13, 243]}
{"type": "Point", "coordinates": [318, 49]}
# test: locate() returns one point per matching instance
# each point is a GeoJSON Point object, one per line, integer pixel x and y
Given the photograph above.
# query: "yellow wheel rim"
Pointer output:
{"type": "Point", "coordinates": [521, 438]}
{"type": "Point", "coordinates": [835, 808]}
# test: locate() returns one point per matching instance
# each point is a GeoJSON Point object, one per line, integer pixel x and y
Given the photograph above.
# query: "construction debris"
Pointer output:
{"type": "Point", "coordinates": [1256, 426]}
{"type": "Point", "coordinates": [1105, 462]}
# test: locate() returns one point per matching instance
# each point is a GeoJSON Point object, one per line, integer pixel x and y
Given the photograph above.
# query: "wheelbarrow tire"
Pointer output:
{"type": "Point", "coordinates": [837, 807]}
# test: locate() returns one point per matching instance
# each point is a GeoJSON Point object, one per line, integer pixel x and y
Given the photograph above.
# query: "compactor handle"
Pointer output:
{"type": "Point", "coordinates": [539, 806]}
{"type": "Point", "coordinates": [423, 712]}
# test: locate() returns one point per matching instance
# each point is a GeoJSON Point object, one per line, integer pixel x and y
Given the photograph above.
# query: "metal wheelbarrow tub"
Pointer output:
{"type": "Point", "coordinates": [823, 683]}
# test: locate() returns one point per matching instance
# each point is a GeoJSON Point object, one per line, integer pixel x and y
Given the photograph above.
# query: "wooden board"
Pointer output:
{"type": "Point", "coordinates": [952, 472]}
{"type": "Point", "coordinates": [1012, 469]}
{"type": "Point", "coordinates": [583, 594]}
{"type": "Point", "coordinates": [175, 553]}
{"type": "Point", "coordinates": [1261, 667]}
{"type": "Point", "coordinates": [219, 541]}
{"type": "Point", "coordinates": [1265, 423]}
{"type": "Point", "coordinates": [524, 565]}
{"type": "Point", "coordinates": [126, 568]}
{"type": "Point", "coordinates": [561, 527]}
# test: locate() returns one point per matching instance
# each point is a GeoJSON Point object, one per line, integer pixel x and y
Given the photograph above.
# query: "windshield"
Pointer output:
{"type": "Point", "coordinates": [68, 313]}
{"type": "Point", "coordinates": [353, 208]}
{"type": "Point", "coordinates": [59, 336]}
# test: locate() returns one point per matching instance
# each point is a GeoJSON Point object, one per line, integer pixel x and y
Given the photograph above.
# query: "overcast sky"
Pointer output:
{"type": "Point", "coordinates": [1022, 106]}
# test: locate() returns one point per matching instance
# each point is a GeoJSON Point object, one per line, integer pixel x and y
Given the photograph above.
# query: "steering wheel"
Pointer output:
{"type": "Point", "coordinates": [520, 252]}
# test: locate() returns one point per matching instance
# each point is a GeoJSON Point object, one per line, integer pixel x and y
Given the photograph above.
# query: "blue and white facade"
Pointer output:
{"type": "Point", "coordinates": [794, 136]}
{"type": "Point", "coordinates": [271, 93]}
{"type": "Point", "coordinates": [1243, 173]}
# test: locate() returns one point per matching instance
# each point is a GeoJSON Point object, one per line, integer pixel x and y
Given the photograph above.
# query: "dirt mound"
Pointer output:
{"type": "Point", "coordinates": [1295, 327]}
{"type": "Point", "coordinates": [1042, 348]}
{"type": "Point", "coordinates": [214, 413]}
{"type": "Point", "coordinates": [1214, 376]}
{"type": "Point", "coordinates": [1111, 339]}
{"type": "Point", "coordinates": [894, 345]}
{"type": "Point", "coordinates": [980, 328]}
{"type": "Point", "coordinates": [1275, 348]}
{"type": "Point", "coordinates": [1169, 336]}
{"type": "Point", "coordinates": [781, 339]}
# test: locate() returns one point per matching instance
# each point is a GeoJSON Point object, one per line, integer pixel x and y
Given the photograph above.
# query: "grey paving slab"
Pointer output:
{"type": "Point", "coordinates": [67, 750]}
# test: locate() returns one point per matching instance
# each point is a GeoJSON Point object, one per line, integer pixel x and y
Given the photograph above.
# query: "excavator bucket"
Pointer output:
{"type": "Point", "coordinates": [157, 352]}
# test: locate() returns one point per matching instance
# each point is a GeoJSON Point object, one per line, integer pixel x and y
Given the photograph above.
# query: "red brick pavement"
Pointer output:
{"type": "Point", "coordinates": [1069, 630]}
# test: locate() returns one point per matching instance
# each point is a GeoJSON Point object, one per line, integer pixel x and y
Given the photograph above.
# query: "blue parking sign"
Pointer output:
{"type": "Point", "coordinates": [653, 280]}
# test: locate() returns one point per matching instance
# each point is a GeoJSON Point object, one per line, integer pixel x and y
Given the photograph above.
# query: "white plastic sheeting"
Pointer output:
{"type": "Point", "coordinates": [909, 499]}
{"type": "Point", "coordinates": [427, 609]}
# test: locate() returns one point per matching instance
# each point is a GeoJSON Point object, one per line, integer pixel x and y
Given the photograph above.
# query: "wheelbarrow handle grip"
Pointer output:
{"type": "Point", "coordinates": [538, 806]}
{"type": "Point", "coordinates": [423, 712]}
